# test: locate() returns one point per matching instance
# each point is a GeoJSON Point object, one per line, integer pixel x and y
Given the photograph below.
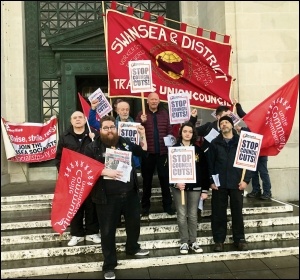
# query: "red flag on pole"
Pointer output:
{"type": "Point", "coordinates": [274, 117]}
{"type": "Point", "coordinates": [77, 176]}
{"type": "Point", "coordinates": [85, 106]}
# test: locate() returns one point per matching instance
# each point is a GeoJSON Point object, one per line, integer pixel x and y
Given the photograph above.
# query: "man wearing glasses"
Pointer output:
{"type": "Point", "coordinates": [115, 197]}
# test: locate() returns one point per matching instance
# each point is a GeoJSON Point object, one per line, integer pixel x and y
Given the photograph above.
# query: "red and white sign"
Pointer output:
{"type": "Point", "coordinates": [76, 178]}
{"type": "Point", "coordinates": [180, 62]}
{"type": "Point", "coordinates": [32, 142]}
{"type": "Point", "coordinates": [179, 108]}
{"type": "Point", "coordinates": [140, 75]}
{"type": "Point", "coordinates": [274, 117]}
{"type": "Point", "coordinates": [247, 153]}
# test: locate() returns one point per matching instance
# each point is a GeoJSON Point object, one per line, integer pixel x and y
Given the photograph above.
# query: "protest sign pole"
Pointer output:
{"type": "Point", "coordinates": [243, 175]}
{"type": "Point", "coordinates": [182, 197]}
{"type": "Point", "coordinates": [143, 103]}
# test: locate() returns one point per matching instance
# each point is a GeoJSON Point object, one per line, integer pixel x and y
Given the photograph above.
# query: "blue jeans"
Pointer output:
{"type": "Point", "coordinates": [187, 215]}
{"type": "Point", "coordinates": [263, 173]}
{"type": "Point", "coordinates": [109, 214]}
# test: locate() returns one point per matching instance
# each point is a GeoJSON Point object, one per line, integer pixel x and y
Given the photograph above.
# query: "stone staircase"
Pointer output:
{"type": "Point", "coordinates": [29, 246]}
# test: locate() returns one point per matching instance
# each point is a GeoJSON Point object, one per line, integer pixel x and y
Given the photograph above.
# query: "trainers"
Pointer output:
{"type": "Point", "coordinates": [196, 248]}
{"type": "Point", "coordinates": [254, 194]}
{"type": "Point", "coordinates": [93, 237]}
{"type": "Point", "coordinates": [266, 196]}
{"type": "Point", "coordinates": [184, 248]}
{"type": "Point", "coordinates": [142, 252]}
{"type": "Point", "coordinates": [74, 240]}
{"type": "Point", "coordinates": [109, 275]}
{"type": "Point", "coordinates": [219, 247]}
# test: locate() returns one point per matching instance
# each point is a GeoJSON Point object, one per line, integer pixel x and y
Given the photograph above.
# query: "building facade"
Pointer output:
{"type": "Point", "coordinates": [52, 50]}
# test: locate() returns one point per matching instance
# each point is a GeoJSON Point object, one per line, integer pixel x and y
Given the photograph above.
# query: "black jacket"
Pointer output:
{"type": "Point", "coordinates": [69, 140]}
{"type": "Point", "coordinates": [202, 175]}
{"type": "Point", "coordinates": [96, 150]}
{"type": "Point", "coordinates": [221, 158]}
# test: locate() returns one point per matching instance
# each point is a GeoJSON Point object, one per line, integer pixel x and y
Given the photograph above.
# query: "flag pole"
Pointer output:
{"type": "Point", "coordinates": [87, 122]}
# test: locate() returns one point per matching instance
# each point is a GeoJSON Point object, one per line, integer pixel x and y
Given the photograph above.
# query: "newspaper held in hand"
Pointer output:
{"type": "Point", "coordinates": [126, 170]}
{"type": "Point", "coordinates": [200, 205]}
{"type": "Point", "coordinates": [169, 140]}
{"type": "Point", "coordinates": [113, 157]}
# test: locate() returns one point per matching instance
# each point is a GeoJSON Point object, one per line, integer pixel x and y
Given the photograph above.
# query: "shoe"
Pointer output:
{"type": "Point", "coordinates": [74, 240]}
{"type": "Point", "coordinates": [254, 194]}
{"type": "Point", "coordinates": [267, 196]}
{"type": "Point", "coordinates": [94, 238]}
{"type": "Point", "coordinates": [219, 247]}
{"type": "Point", "coordinates": [170, 211]}
{"type": "Point", "coordinates": [109, 274]}
{"type": "Point", "coordinates": [142, 252]}
{"type": "Point", "coordinates": [145, 212]}
{"type": "Point", "coordinates": [196, 248]}
{"type": "Point", "coordinates": [184, 248]}
{"type": "Point", "coordinates": [242, 245]}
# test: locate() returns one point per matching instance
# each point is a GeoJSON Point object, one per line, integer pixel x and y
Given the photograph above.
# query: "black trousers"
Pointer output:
{"type": "Point", "coordinates": [128, 204]}
{"type": "Point", "coordinates": [219, 205]}
{"type": "Point", "coordinates": [87, 211]}
{"type": "Point", "coordinates": [148, 169]}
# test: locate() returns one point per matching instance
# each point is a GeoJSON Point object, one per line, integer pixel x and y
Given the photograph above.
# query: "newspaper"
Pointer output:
{"type": "Point", "coordinates": [112, 159]}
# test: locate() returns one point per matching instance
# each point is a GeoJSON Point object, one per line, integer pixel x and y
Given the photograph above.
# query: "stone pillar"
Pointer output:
{"type": "Point", "coordinates": [13, 78]}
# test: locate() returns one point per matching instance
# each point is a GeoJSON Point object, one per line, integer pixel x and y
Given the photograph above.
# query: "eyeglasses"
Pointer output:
{"type": "Point", "coordinates": [106, 128]}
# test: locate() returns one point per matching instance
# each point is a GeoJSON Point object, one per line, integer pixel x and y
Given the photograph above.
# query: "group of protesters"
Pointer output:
{"type": "Point", "coordinates": [109, 199]}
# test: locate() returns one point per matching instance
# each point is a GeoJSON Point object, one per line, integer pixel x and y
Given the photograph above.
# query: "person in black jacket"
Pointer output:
{"type": "Point", "coordinates": [76, 138]}
{"type": "Point", "coordinates": [221, 155]}
{"type": "Point", "coordinates": [115, 197]}
{"type": "Point", "coordinates": [205, 129]}
{"type": "Point", "coordinates": [261, 168]}
{"type": "Point", "coordinates": [187, 217]}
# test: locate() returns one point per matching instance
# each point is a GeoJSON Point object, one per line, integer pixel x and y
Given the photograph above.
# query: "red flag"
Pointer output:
{"type": "Point", "coordinates": [85, 106]}
{"type": "Point", "coordinates": [274, 117]}
{"type": "Point", "coordinates": [180, 62]}
{"type": "Point", "coordinates": [77, 176]}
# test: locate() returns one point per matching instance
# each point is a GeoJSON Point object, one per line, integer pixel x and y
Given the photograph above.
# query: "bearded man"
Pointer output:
{"type": "Point", "coordinates": [115, 197]}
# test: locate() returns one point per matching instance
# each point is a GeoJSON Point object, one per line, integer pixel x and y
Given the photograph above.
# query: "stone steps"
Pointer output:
{"type": "Point", "coordinates": [29, 246]}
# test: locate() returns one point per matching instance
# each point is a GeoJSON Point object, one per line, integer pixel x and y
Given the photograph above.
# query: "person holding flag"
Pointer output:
{"type": "Point", "coordinates": [261, 169]}
{"type": "Point", "coordinates": [221, 156]}
{"type": "Point", "coordinates": [115, 197]}
{"type": "Point", "coordinates": [76, 138]}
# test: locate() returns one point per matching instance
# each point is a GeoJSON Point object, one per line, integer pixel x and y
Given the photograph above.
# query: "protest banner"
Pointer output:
{"type": "Point", "coordinates": [180, 62]}
{"type": "Point", "coordinates": [32, 142]}
{"type": "Point", "coordinates": [9, 149]}
{"type": "Point", "coordinates": [182, 167]}
{"type": "Point", "coordinates": [104, 106]}
{"type": "Point", "coordinates": [140, 76]}
{"type": "Point", "coordinates": [129, 130]}
{"type": "Point", "coordinates": [235, 118]}
{"type": "Point", "coordinates": [247, 153]}
{"type": "Point", "coordinates": [274, 117]}
{"type": "Point", "coordinates": [179, 108]}
{"type": "Point", "coordinates": [76, 178]}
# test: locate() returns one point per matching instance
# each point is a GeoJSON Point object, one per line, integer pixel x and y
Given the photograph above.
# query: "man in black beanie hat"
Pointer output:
{"type": "Point", "coordinates": [221, 155]}
{"type": "Point", "coordinates": [227, 118]}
